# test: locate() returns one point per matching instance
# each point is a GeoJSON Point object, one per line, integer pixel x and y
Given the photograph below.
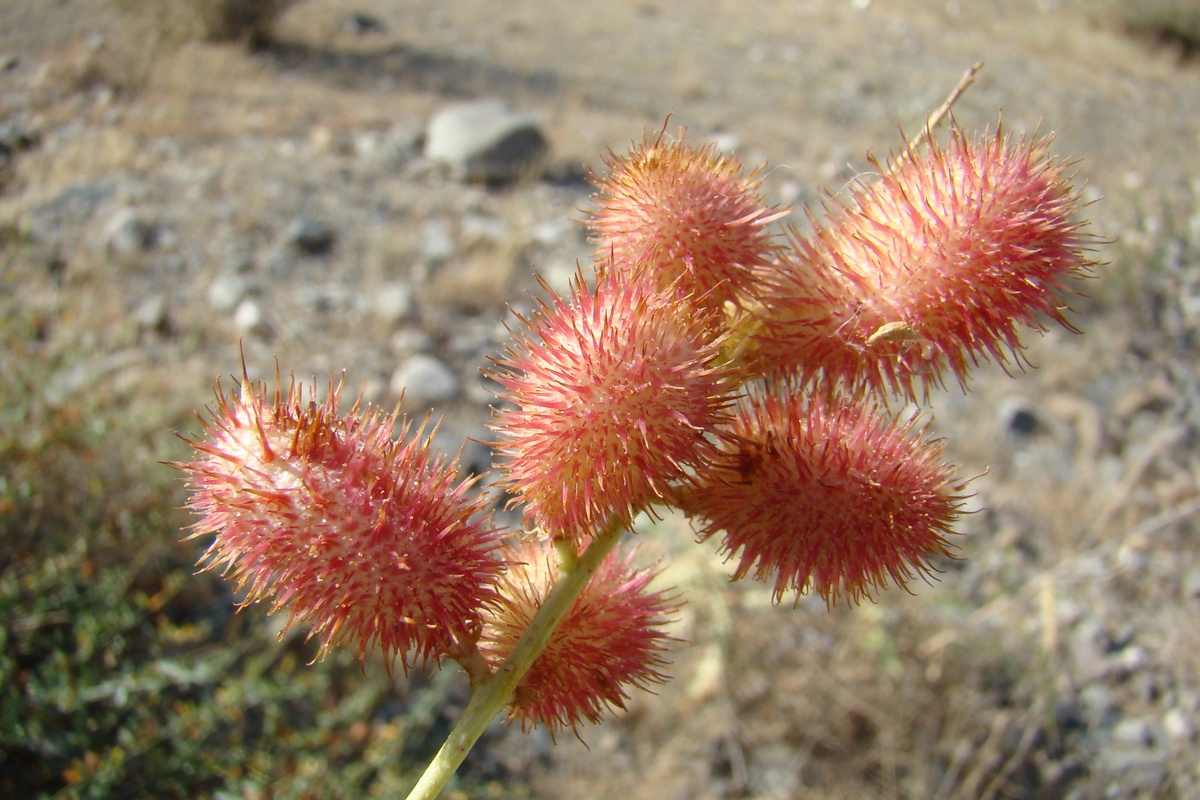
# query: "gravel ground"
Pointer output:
{"type": "Point", "coordinates": [173, 199]}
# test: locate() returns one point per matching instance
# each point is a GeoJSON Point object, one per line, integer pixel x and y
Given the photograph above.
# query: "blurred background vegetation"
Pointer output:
{"type": "Point", "coordinates": [127, 675]}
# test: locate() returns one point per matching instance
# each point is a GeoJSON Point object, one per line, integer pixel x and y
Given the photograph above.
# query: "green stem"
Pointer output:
{"type": "Point", "coordinates": [490, 698]}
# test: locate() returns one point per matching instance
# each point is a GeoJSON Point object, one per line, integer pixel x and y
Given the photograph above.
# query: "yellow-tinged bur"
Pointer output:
{"type": "Point", "coordinates": [959, 247]}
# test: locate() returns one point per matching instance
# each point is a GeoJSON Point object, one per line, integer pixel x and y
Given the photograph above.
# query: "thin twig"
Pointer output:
{"type": "Point", "coordinates": [935, 119]}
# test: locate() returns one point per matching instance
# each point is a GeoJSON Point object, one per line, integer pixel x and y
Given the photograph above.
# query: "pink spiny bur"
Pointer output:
{"type": "Point", "coordinates": [610, 397]}
{"type": "Point", "coordinates": [370, 541]}
{"type": "Point", "coordinates": [835, 499]}
{"type": "Point", "coordinates": [958, 248]}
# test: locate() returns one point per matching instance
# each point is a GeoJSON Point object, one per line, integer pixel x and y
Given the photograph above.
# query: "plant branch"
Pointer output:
{"type": "Point", "coordinates": [935, 119]}
{"type": "Point", "coordinates": [491, 697]}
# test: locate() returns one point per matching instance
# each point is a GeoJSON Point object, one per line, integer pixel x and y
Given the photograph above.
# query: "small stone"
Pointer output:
{"type": "Point", "coordinates": [227, 291]}
{"type": "Point", "coordinates": [408, 341]}
{"type": "Point", "coordinates": [1060, 772]}
{"type": "Point", "coordinates": [240, 263]}
{"type": "Point", "coordinates": [1098, 706]}
{"type": "Point", "coordinates": [471, 339]}
{"type": "Point", "coordinates": [323, 139]}
{"type": "Point", "coordinates": [1134, 732]}
{"type": "Point", "coordinates": [1129, 660]}
{"type": "Point", "coordinates": [249, 318]}
{"type": "Point", "coordinates": [394, 303]}
{"type": "Point", "coordinates": [278, 261]}
{"type": "Point", "coordinates": [727, 143]}
{"type": "Point", "coordinates": [399, 145]}
{"type": "Point", "coordinates": [1191, 583]}
{"type": "Point", "coordinates": [1018, 419]}
{"type": "Point", "coordinates": [1178, 726]}
{"type": "Point", "coordinates": [437, 241]}
{"type": "Point", "coordinates": [481, 229]}
{"type": "Point", "coordinates": [151, 314]}
{"type": "Point", "coordinates": [1127, 771]}
{"type": "Point", "coordinates": [424, 380]}
{"type": "Point", "coordinates": [128, 235]}
{"type": "Point", "coordinates": [312, 237]}
{"type": "Point", "coordinates": [15, 137]}
{"type": "Point", "coordinates": [485, 141]}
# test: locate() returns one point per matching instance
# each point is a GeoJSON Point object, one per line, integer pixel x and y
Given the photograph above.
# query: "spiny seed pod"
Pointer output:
{"type": "Point", "coordinates": [611, 639]}
{"type": "Point", "coordinates": [827, 498]}
{"type": "Point", "coordinates": [609, 398]}
{"type": "Point", "coordinates": [928, 270]}
{"type": "Point", "coordinates": [369, 540]}
{"type": "Point", "coordinates": [688, 215]}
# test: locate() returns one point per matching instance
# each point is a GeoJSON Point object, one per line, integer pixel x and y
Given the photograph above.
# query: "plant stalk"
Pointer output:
{"type": "Point", "coordinates": [490, 697]}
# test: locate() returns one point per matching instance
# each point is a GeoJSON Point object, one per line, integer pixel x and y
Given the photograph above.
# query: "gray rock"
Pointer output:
{"type": "Point", "coordinates": [1098, 706]}
{"type": "Point", "coordinates": [401, 144]}
{"type": "Point", "coordinates": [151, 314]}
{"type": "Point", "coordinates": [240, 263]}
{"type": "Point", "coordinates": [727, 142]}
{"type": "Point", "coordinates": [424, 380]}
{"type": "Point", "coordinates": [1019, 419]}
{"type": "Point", "coordinates": [437, 241]}
{"type": "Point", "coordinates": [1135, 732]}
{"type": "Point", "coordinates": [482, 229]}
{"type": "Point", "coordinates": [1128, 661]}
{"type": "Point", "coordinates": [15, 137]}
{"type": "Point", "coordinates": [227, 291]}
{"type": "Point", "coordinates": [313, 237]}
{"type": "Point", "coordinates": [249, 318]}
{"type": "Point", "coordinates": [128, 235]}
{"type": "Point", "coordinates": [486, 141]}
{"type": "Point", "coordinates": [407, 341]}
{"type": "Point", "coordinates": [393, 303]}
{"type": "Point", "coordinates": [87, 374]}
{"type": "Point", "coordinates": [1191, 583]}
{"type": "Point", "coordinates": [1178, 726]}
{"type": "Point", "coordinates": [472, 338]}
